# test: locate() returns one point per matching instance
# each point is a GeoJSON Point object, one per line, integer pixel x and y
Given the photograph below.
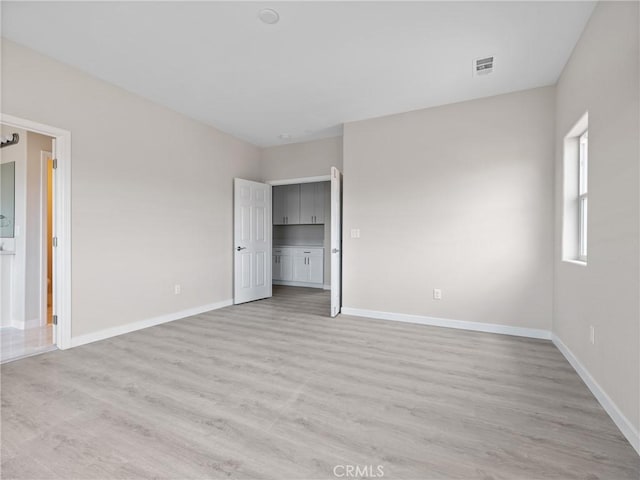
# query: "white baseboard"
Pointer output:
{"type": "Point", "coordinates": [447, 323]}
{"type": "Point", "coordinates": [326, 287]}
{"type": "Point", "coordinates": [150, 322]}
{"type": "Point", "coordinates": [24, 325]}
{"type": "Point", "coordinates": [625, 426]}
{"type": "Point", "coordinates": [297, 284]}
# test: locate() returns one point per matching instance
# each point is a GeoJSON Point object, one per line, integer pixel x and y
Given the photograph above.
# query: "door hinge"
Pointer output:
{"type": "Point", "coordinates": [55, 163]}
{"type": "Point", "coordinates": [54, 241]}
{"type": "Point", "coordinates": [55, 319]}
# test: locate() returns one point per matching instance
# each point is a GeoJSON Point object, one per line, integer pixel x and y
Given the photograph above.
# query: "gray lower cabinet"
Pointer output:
{"type": "Point", "coordinates": [303, 266]}
{"type": "Point", "coordinates": [282, 266]}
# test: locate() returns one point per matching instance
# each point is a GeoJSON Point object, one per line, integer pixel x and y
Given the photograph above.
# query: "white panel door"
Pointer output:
{"type": "Point", "coordinates": [336, 241]}
{"type": "Point", "coordinates": [252, 241]}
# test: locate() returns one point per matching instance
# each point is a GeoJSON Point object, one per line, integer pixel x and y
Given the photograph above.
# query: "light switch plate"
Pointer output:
{"type": "Point", "coordinates": [355, 233]}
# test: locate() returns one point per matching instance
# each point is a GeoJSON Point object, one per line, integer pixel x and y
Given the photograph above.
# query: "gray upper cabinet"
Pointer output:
{"type": "Point", "coordinates": [298, 204]}
{"type": "Point", "coordinates": [286, 205]}
{"type": "Point", "coordinates": [312, 203]}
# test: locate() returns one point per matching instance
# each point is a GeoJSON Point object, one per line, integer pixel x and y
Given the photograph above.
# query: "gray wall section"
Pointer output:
{"type": "Point", "coordinates": [152, 193]}
{"type": "Point", "coordinates": [602, 78]}
{"type": "Point", "coordinates": [459, 198]}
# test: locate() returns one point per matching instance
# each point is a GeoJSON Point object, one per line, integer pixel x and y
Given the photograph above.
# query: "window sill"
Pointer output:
{"type": "Point", "coordinates": [581, 263]}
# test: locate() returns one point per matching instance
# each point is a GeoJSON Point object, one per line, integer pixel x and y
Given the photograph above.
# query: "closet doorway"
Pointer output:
{"type": "Point", "coordinates": [306, 226]}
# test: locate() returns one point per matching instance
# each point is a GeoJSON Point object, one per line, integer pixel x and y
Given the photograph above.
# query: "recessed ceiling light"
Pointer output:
{"type": "Point", "coordinates": [284, 136]}
{"type": "Point", "coordinates": [268, 16]}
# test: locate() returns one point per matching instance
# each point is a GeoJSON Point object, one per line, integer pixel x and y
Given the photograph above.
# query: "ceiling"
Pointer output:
{"type": "Point", "coordinates": [322, 65]}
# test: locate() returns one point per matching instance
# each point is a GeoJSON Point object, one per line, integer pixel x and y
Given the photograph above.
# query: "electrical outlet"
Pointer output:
{"type": "Point", "coordinates": [437, 294]}
{"type": "Point", "coordinates": [592, 335]}
{"type": "Point", "coordinates": [177, 289]}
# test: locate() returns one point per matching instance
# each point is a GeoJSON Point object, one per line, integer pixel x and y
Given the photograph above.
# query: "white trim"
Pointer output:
{"type": "Point", "coordinates": [623, 424]}
{"type": "Point", "coordinates": [62, 216]}
{"type": "Point", "coordinates": [297, 284]}
{"type": "Point", "coordinates": [447, 323]}
{"type": "Point", "coordinates": [576, 262]}
{"type": "Point", "coordinates": [293, 181]}
{"type": "Point", "coordinates": [150, 322]}
{"type": "Point", "coordinates": [326, 286]}
{"type": "Point", "coordinates": [27, 324]}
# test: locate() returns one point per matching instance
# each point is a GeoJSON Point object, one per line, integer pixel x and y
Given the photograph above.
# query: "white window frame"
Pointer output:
{"type": "Point", "coordinates": [583, 205]}
{"type": "Point", "coordinates": [574, 193]}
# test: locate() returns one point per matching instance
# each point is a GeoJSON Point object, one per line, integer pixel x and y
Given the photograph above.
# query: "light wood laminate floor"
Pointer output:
{"type": "Point", "coordinates": [276, 389]}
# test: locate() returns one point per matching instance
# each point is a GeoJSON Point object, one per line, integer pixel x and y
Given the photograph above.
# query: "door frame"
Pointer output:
{"type": "Point", "coordinates": [294, 181]}
{"type": "Point", "coordinates": [62, 217]}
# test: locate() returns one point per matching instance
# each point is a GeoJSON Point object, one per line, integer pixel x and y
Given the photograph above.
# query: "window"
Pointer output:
{"type": "Point", "coordinates": [575, 193]}
{"type": "Point", "coordinates": [583, 165]}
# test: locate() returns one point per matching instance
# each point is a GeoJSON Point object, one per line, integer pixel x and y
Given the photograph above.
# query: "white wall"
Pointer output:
{"type": "Point", "coordinates": [602, 78]}
{"type": "Point", "coordinates": [305, 159]}
{"type": "Point", "coordinates": [151, 193]}
{"type": "Point", "coordinates": [459, 198]}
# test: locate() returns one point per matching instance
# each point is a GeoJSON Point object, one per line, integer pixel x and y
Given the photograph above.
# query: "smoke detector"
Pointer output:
{"type": "Point", "coordinates": [482, 66]}
{"type": "Point", "coordinates": [268, 16]}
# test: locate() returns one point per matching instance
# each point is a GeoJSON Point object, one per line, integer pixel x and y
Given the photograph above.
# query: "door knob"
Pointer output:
{"type": "Point", "coordinates": [240, 248]}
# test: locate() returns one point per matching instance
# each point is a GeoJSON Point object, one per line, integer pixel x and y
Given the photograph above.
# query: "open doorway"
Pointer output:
{"type": "Point", "coordinates": [34, 271]}
{"type": "Point", "coordinates": [300, 225]}
{"type": "Point", "coordinates": [301, 267]}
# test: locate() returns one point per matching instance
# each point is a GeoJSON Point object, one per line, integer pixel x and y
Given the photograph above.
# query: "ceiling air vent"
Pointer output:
{"type": "Point", "coordinates": [483, 66]}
